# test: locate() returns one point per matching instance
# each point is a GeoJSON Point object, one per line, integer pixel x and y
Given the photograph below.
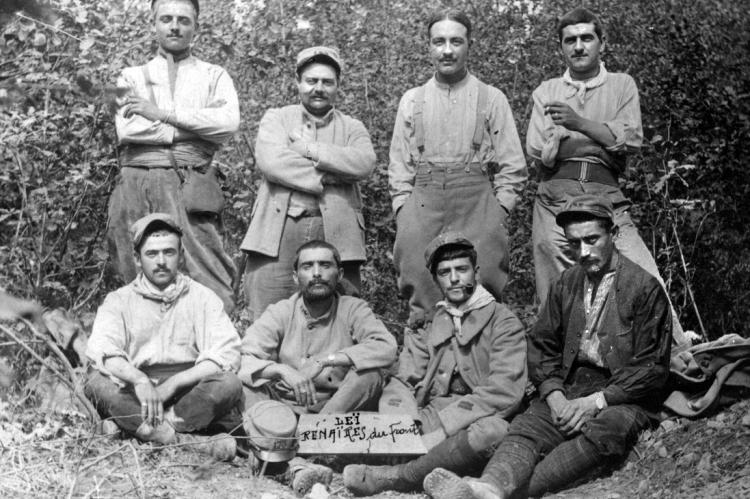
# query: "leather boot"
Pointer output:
{"type": "Point", "coordinates": [443, 484]}
{"type": "Point", "coordinates": [364, 480]}
{"type": "Point", "coordinates": [304, 474]}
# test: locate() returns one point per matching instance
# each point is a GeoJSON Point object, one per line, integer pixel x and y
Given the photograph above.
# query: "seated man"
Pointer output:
{"type": "Point", "coordinates": [318, 351]}
{"type": "Point", "coordinates": [599, 357]}
{"type": "Point", "coordinates": [164, 351]}
{"type": "Point", "coordinates": [469, 370]}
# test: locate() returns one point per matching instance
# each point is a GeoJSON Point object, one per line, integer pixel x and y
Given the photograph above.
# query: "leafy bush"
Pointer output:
{"type": "Point", "coordinates": [58, 160]}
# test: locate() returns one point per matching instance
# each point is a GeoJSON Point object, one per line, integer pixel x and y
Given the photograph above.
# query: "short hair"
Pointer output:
{"type": "Point", "coordinates": [451, 252]}
{"type": "Point", "coordinates": [577, 16]}
{"type": "Point", "coordinates": [451, 15]}
{"type": "Point", "coordinates": [314, 244]}
{"type": "Point", "coordinates": [580, 217]}
{"type": "Point", "coordinates": [194, 3]}
{"type": "Point", "coordinates": [153, 228]}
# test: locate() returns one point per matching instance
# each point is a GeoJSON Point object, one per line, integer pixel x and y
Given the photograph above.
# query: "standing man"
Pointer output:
{"type": "Point", "coordinates": [599, 358]}
{"type": "Point", "coordinates": [456, 163]}
{"type": "Point", "coordinates": [311, 156]}
{"type": "Point", "coordinates": [582, 128]}
{"type": "Point", "coordinates": [462, 381]}
{"type": "Point", "coordinates": [317, 351]}
{"type": "Point", "coordinates": [176, 114]}
{"type": "Point", "coordinates": [163, 350]}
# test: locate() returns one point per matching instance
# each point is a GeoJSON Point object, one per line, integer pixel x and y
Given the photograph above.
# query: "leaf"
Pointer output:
{"type": "Point", "coordinates": [39, 40]}
{"type": "Point", "coordinates": [87, 43]}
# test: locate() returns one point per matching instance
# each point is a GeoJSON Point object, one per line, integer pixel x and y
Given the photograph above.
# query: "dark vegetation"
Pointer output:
{"type": "Point", "coordinates": [57, 145]}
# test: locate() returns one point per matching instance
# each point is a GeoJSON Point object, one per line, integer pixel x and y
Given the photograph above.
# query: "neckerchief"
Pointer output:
{"type": "Point", "coordinates": [478, 299]}
{"type": "Point", "coordinates": [580, 87]}
{"type": "Point", "coordinates": [167, 296]}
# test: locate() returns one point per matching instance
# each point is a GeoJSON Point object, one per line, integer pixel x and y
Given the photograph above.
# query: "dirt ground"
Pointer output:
{"type": "Point", "coordinates": [45, 455]}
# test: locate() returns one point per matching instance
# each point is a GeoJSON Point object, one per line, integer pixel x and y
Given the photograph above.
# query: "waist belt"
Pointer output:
{"type": "Point", "coordinates": [584, 171]}
{"type": "Point", "coordinates": [447, 168]}
{"type": "Point", "coordinates": [189, 154]}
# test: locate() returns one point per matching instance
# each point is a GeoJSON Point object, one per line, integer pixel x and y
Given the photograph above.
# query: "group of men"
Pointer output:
{"type": "Point", "coordinates": [168, 365]}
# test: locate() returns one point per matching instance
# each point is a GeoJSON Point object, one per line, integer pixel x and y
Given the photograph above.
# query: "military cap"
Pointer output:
{"type": "Point", "coordinates": [452, 238]}
{"type": "Point", "coordinates": [139, 227]}
{"type": "Point", "coordinates": [586, 204]}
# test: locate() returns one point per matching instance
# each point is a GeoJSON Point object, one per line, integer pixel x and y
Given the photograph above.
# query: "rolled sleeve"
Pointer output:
{"type": "Point", "coordinates": [109, 336]}
{"type": "Point", "coordinates": [260, 345]}
{"type": "Point", "coordinates": [218, 340]}
{"type": "Point", "coordinates": [626, 125]}
{"type": "Point", "coordinates": [374, 346]}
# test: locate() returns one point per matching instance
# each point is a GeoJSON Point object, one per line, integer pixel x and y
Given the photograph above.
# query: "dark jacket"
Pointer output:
{"type": "Point", "coordinates": [635, 335]}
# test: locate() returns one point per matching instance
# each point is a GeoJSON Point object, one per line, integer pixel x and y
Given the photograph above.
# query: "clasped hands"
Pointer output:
{"type": "Point", "coordinates": [153, 397]}
{"type": "Point", "coordinates": [300, 381]}
{"type": "Point", "coordinates": [570, 415]}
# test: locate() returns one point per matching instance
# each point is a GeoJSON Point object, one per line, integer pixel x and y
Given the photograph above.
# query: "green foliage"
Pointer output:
{"type": "Point", "coordinates": [57, 154]}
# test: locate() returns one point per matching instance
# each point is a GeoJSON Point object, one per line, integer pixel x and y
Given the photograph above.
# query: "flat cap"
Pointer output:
{"type": "Point", "coordinates": [453, 238]}
{"type": "Point", "coordinates": [587, 204]}
{"type": "Point", "coordinates": [139, 227]}
{"type": "Point", "coordinates": [327, 55]}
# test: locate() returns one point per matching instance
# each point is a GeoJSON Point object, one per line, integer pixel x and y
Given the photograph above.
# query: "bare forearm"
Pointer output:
{"type": "Point", "coordinates": [598, 132]}
{"type": "Point", "coordinates": [195, 374]}
{"type": "Point", "coordinates": [124, 370]}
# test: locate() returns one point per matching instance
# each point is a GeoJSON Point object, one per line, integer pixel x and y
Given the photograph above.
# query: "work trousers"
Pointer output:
{"type": "Point", "coordinates": [269, 279]}
{"type": "Point", "coordinates": [140, 191]}
{"type": "Point", "coordinates": [550, 247]}
{"type": "Point", "coordinates": [448, 197]}
{"type": "Point", "coordinates": [538, 456]}
{"type": "Point", "coordinates": [484, 434]}
{"type": "Point", "coordinates": [214, 403]}
{"type": "Point", "coordinates": [358, 391]}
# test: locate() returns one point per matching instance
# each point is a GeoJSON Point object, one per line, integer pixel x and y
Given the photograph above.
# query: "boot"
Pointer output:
{"type": "Point", "coordinates": [303, 475]}
{"type": "Point", "coordinates": [364, 480]}
{"type": "Point", "coordinates": [221, 447]}
{"type": "Point", "coordinates": [443, 484]}
{"type": "Point", "coordinates": [453, 453]}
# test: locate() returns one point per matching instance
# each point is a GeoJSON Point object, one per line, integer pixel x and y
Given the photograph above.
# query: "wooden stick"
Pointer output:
{"type": "Point", "coordinates": [86, 403]}
{"type": "Point", "coordinates": [687, 284]}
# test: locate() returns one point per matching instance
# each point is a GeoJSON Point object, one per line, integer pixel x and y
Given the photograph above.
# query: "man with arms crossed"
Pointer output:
{"type": "Point", "coordinates": [462, 380]}
{"type": "Point", "coordinates": [176, 114]}
{"type": "Point", "coordinates": [312, 156]}
{"type": "Point", "coordinates": [599, 358]}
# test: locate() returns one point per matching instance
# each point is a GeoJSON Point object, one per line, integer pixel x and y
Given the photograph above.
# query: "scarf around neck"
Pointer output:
{"type": "Point", "coordinates": [477, 300]}
{"type": "Point", "coordinates": [168, 296]}
{"type": "Point", "coordinates": [580, 87]}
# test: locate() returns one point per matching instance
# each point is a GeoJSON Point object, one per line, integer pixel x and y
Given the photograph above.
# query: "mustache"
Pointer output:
{"type": "Point", "coordinates": [316, 282]}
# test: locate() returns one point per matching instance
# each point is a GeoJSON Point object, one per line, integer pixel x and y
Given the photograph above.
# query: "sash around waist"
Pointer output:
{"type": "Point", "coordinates": [187, 154]}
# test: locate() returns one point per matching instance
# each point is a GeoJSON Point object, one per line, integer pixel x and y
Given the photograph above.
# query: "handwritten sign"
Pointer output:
{"type": "Point", "coordinates": [359, 433]}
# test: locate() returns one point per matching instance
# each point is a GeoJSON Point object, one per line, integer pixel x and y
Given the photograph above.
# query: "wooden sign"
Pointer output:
{"type": "Point", "coordinates": [359, 433]}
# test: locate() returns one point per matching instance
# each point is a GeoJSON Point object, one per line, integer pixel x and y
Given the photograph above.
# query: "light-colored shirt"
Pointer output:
{"type": "Point", "coordinates": [204, 104]}
{"type": "Point", "coordinates": [286, 334]}
{"type": "Point", "coordinates": [148, 328]}
{"type": "Point", "coordinates": [593, 306]}
{"type": "Point", "coordinates": [609, 98]}
{"type": "Point", "coordinates": [449, 119]}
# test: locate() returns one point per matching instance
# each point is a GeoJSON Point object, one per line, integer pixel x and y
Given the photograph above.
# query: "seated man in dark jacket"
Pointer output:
{"type": "Point", "coordinates": [599, 358]}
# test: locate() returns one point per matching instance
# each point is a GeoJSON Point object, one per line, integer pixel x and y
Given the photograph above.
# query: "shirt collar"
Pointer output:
{"type": "Point", "coordinates": [185, 55]}
{"type": "Point", "coordinates": [318, 121]}
{"type": "Point", "coordinates": [454, 86]}
{"type": "Point", "coordinates": [579, 87]}
{"type": "Point", "coordinates": [322, 318]}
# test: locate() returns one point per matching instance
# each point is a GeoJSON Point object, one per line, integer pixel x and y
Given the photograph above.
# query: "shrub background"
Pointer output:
{"type": "Point", "coordinates": [689, 185]}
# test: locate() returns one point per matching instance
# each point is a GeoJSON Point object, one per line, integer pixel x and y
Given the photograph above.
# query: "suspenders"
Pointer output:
{"type": "Point", "coordinates": [476, 141]}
